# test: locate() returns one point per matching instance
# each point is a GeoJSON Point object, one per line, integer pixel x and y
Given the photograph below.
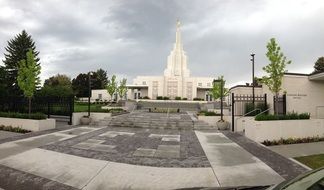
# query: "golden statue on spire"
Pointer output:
{"type": "Point", "coordinates": [178, 24]}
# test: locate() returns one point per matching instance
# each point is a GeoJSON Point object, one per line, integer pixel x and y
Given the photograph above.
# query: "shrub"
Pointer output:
{"type": "Point", "coordinates": [159, 98]}
{"type": "Point", "coordinates": [177, 98]}
{"type": "Point", "coordinates": [166, 98]}
{"type": "Point", "coordinates": [36, 116]}
{"type": "Point", "coordinates": [293, 141]}
{"type": "Point", "coordinates": [13, 129]}
{"type": "Point", "coordinates": [184, 98]}
{"type": "Point", "coordinates": [198, 99]}
{"type": "Point", "coordinates": [208, 113]}
{"type": "Point", "coordinates": [249, 108]}
{"type": "Point", "coordinates": [146, 98]}
{"type": "Point", "coordinates": [289, 116]}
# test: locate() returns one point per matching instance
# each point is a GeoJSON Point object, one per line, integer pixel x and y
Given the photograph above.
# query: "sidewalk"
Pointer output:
{"type": "Point", "coordinates": [234, 166]}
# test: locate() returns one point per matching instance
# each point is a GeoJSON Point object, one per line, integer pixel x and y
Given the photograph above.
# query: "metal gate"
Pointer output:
{"type": "Point", "coordinates": [280, 106]}
{"type": "Point", "coordinates": [239, 104]}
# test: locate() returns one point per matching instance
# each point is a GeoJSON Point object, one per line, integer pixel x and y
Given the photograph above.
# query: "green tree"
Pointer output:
{"type": "Point", "coordinates": [275, 69]}
{"type": "Point", "coordinates": [58, 80]}
{"type": "Point", "coordinates": [80, 85]}
{"type": "Point", "coordinates": [16, 51]}
{"type": "Point", "coordinates": [319, 65]}
{"type": "Point", "coordinates": [122, 89]}
{"type": "Point", "coordinates": [58, 85]}
{"type": "Point", "coordinates": [28, 76]}
{"type": "Point", "coordinates": [112, 86]}
{"type": "Point", "coordinates": [3, 85]}
{"type": "Point", "coordinates": [216, 90]}
{"type": "Point", "coordinates": [102, 77]}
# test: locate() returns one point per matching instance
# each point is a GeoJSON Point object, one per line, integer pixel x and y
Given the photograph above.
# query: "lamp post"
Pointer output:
{"type": "Point", "coordinates": [221, 95]}
{"type": "Point", "coordinates": [89, 96]}
{"type": "Point", "coordinates": [253, 95]}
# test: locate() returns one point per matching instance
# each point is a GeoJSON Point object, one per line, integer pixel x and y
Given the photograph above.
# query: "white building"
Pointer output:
{"type": "Point", "coordinates": [176, 81]}
{"type": "Point", "coordinates": [304, 93]}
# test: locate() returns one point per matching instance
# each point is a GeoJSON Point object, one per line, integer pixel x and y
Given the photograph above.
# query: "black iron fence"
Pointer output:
{"type": "Point", "coordinates": [279, 105]}
{"type": "Point", "coordinates": [62, 106]}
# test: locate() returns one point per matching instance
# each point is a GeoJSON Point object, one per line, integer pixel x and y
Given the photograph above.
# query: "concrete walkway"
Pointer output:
{"type": "Point", "coordinates": [234, 166]}
{"type": "Point", "coordinates": [85, 173]}
{"type": "Point", "coordinates": [297, 150]}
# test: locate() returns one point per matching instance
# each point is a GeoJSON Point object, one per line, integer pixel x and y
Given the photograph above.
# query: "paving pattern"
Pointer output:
{"type": "Point", "coordinates": [150, 147]}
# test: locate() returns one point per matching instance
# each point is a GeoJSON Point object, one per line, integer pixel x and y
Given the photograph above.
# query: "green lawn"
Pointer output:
{"type": "Point", "coordinates": [312, 161]}
{"type": "Point", "coordinates": [83, 107]}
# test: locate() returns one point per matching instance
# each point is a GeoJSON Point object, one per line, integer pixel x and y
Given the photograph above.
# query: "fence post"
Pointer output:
{"type": "Point", "coordinates": [71, 109]}
{"type": "Point", "coordinates": [265, 99]}
{"type": "Point", "coordinates": [233, 101]}
{"type": "Point", "coordinates": [48, 107]}
{"type": "Point", "coordinates": [284, 103]}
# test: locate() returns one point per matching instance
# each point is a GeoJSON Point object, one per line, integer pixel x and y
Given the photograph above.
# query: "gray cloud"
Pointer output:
{"type": "Point", "coordinates": [131, 38]}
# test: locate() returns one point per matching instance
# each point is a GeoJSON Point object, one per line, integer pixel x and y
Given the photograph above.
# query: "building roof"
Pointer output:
{"type": "Point", "coordinates": [245, 86]}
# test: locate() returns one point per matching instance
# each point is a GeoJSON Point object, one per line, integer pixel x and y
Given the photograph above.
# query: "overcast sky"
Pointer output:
{"type": "Point", "coordinates": [134, 37]}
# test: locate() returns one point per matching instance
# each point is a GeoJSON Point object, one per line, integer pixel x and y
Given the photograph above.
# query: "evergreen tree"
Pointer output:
{"type": "Point", "coordinates": [102, 77]}
{"type": "Point", "coordinates": [319, 65]}
{"type": "Point", "coordinates": [80, 85]}
{"type": "Point", "coordinates": [16, 51]}
{"type": "Point", "coordinates": [3, 87]}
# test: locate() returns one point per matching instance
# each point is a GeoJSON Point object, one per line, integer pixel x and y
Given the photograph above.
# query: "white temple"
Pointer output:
{"type": "Point", "coordinates": [176, 81]}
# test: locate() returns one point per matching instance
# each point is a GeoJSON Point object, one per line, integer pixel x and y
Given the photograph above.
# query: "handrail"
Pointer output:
{"type": "Point", "coordinates": [248, 113]}
{"type": "Point", "coordinates": [262, 112]}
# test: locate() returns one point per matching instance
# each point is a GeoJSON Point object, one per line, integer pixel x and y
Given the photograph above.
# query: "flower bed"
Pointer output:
{"type": "Point", "coordinates": [13, 129]}
{"type": "Point", "coordinates": [293, 141]}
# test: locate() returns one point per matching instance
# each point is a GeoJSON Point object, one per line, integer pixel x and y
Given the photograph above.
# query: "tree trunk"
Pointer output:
{"type": "Point", "coordinates": [277, 103]}
{"type": "Point", "coordinates": [29, 107]}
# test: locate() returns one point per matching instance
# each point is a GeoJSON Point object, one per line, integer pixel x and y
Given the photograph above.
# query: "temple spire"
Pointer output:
{"type": "Point", "coordinates": [178, 34]}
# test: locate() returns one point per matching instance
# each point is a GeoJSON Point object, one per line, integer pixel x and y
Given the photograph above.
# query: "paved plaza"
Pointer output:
{"type": "Point", "coordinates": [110, 157]}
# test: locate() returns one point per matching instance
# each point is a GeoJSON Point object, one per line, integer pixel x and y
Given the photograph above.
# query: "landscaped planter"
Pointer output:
{"type": "Point", "coordinates": [222, 125]}
{"type": "Point", "coordinates": [28, 124]}
{"type": "Point", "coordinates": [277, 129]}
{"type": "Point", "coordinates": [94, 116]}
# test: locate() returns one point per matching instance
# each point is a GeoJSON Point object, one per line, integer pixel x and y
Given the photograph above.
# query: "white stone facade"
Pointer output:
{"type": "Point", "coordinates": [176, 81]}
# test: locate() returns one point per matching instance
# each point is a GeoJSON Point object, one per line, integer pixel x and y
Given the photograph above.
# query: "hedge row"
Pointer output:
{"type": "Point", "coordinates": [37, 116]}
{"type": "Point", "coordinates": [289, 116]}
{"type": "Point", "coordinates": [292, 141]}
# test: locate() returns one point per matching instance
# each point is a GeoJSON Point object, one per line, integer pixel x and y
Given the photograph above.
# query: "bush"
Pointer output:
{"type": "Point", "coordinates": [159, 98]}
{"type": "Point", "coordinates": [293, 141]}
{"type": "Point", "coordinates": [13, 129]}
{"type": "Point", "coordinates": [289, 116]}
{"type": "Point", "coordinates": [198, 99]}
{"type": "Point", "coordinates": [36, 116]}
{"type": "Point", "coordinates": [249, 108]}
{"type": "Point", "coordinates": [166, 98]}
{"type": "Point", "coordinates": [184, 98]}
{"type": "Point", "coordinates": [177, 98]}
{"type": "Point", "coordinates": [208, 113]}
{"type": "Point", "coordinates": [146, 98]}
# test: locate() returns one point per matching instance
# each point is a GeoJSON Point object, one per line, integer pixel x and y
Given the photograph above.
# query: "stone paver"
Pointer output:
{"type": "Point", "coordinates": [234, 166]}
{"type": "Point", "coordinates": [145, 152]}
{"type": "Point", "coordinates": [7, 134]}
{"type": "Point", "coordinates": [297, 150]}
{"type": "Point", "coordinates": [126, 144]}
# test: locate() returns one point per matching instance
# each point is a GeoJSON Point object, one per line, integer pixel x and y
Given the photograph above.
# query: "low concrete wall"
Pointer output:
{"type": "Point", "coordinates": [240, 123]}
{"type": "Point", "coordinates": [274, 130]}
{"type": "Point", "coordinates": [211, 120]}
{"type": "Point", "coordinates": [28, 124]}
{"type": "Point", "coordinates": [76, 116]}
